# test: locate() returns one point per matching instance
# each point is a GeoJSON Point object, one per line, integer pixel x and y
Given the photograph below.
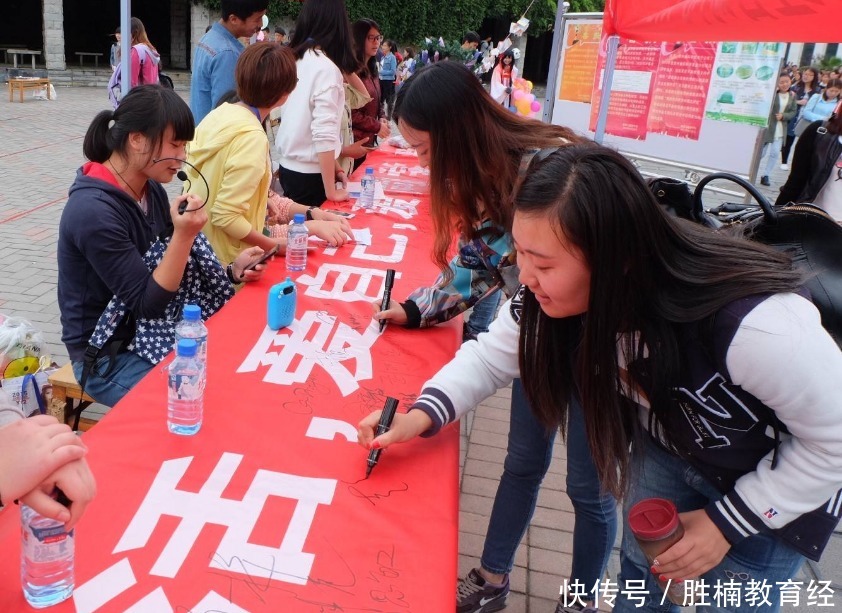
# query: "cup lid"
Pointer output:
{"type": "Point", "coordinates": [653, 518]}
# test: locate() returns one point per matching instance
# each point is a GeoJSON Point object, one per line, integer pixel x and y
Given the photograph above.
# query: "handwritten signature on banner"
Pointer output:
{"type": "Point", "coordinates": [287, 563]}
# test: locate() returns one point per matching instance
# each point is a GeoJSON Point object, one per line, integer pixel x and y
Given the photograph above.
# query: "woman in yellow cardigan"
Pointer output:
{"type": "Point", "coordinates": [231, 150]}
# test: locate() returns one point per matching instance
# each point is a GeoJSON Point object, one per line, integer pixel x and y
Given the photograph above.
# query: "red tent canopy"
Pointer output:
{"type": "Point", "coordinates": [734, 20]}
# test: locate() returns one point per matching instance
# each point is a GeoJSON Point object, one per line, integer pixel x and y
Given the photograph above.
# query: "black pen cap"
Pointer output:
{"type": "Point", "coordinates": [390, 276]}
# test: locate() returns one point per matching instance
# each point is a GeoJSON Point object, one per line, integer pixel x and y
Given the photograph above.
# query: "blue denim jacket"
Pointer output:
{"type": "Point", "coordinates": [213, 69]}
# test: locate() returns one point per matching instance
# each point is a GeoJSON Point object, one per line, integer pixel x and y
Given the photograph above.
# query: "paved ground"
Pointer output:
{"type": "Point", "coordinates": [40, 149]}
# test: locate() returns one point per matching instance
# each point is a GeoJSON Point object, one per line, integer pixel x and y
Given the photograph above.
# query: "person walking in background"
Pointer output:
{"type": "Point", "coordinates": [783, 109]}
{"type": "Point", "coordinates": [502, 77]}
{"type": "Point", "coordinates": [817, 167]}
{"type": "Point", "coordinates": [388, 73]}
{"type": "Point", "coordinates": [687, 347]}
{"type": "Point", "coordinates": [475, 195]}
{"type": "Point", "coordinates": [114, 56]}
{"type": "Point", "coordinates": [280, 35]}
{"type": "Point", "coordinates": [143, 64]}
{"type": "Point", "coordinates": [803, 90]}
{"type": "Point", "coordinates": [216, 55]}
{"type": "Point", "coordinates": [369, 121]}
{"type": "Point", "coordinates": [309, 139]}
{"type": "Point", "coordinates": [821, 104]}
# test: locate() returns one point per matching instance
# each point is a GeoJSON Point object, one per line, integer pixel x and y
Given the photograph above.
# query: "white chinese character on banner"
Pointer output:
{"type": "Point", "coordinates": [349, 283]}
{"type": "Point", "coordinates": [361, 251]}
{"type": "Point", "coordinates": [305, 342]}
{"type": "Point", "coordinates": [289, 562]}
{"type": "Point", "coordinates": [400, 207]}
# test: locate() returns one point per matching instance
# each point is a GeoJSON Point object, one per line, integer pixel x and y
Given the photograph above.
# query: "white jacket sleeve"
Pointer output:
{"type": "Point", "coordinates": [783, 357]}
{"type": "Point", "coordinates": [479, 369]}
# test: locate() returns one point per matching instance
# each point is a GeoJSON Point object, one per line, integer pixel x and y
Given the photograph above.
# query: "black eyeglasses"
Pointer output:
{"type": "Point", "coordinates": [374, 39]}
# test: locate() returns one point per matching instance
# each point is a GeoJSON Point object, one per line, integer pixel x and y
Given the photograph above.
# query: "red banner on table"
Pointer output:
{"type": "Point", "coordinates": [681, 88]}
{"type": "Point", "coordinates": [628, 110]}
{"type": "Point", "coordinates": [266, 508]}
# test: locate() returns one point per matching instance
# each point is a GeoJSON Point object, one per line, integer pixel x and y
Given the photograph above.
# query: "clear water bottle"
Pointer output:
{"type": "Point", "coordinates": [46, 559]}
{"type": "Point", "coordinates": [366, 200]}
{"type": "Point", "coordinates": [192, 326]}
{"type": "Point", "coordinates": [186, 383]}
{"type": "Point", "coordinates": [297, 244]}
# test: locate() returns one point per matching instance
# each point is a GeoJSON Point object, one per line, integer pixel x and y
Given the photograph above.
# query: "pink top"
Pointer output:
{"type": "Point", "coordinates": [145, 71]}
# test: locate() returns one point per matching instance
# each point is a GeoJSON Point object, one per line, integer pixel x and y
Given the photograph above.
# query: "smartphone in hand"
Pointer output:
{"type": "Point", "coordinates": [263, 258]}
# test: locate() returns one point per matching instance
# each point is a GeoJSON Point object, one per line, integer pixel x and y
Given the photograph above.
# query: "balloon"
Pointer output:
{"type": "Point", "coordinates": [529, 85]}
{"type": "Point", "coordinates": [523, 107]}
{"type": "Point", "coordinates": [517, 95]}
{"type": "Point", "coordinates": [535, 106]}
{"type": "Point", "coordinates": [513, 109]}
{"type": "Point", "coordinates": [530, 97]}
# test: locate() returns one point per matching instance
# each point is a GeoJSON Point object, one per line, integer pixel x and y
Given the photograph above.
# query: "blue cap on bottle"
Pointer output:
{"type": "Point", "coordinates": [369, 170]}
{"type": "Point", "coordinates": [298, 218]}
{"type": "Point", "coordinates": [186, 347]}
{"type": "Point", "coordinates": [192, 312]}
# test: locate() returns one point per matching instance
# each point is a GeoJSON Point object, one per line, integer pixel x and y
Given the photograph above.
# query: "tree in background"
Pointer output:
{"type": "Point", "coordinates": [412, 20]}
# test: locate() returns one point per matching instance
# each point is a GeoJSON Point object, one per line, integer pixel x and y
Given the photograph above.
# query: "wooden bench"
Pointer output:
{"type": "Point", "coordinates": [16, 52]}
{"type": "Point", "coordinates": [21, 84]}
{"type": "Point", "coordinates": [81, 55]}
{"type": "Point", "coordinates": [67, 391]}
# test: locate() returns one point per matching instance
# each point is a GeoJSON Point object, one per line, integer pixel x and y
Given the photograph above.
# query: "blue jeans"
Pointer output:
{"type": "Point", "coordinates": [660, 474]}
{"type": "Point", "coordinates": [109, 388]}
{"type": "Point", "coordinates": [527, 460]}
{"type": "Point", "coordinates": [482, 315]}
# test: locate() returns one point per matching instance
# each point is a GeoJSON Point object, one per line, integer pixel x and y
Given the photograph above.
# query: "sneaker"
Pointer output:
{"type": "Point", "coordinates": [784, 166]}
{"type": "Point", "coordinates": [476, 595]}
{"type": "Point", "coordinates": [764, 180]}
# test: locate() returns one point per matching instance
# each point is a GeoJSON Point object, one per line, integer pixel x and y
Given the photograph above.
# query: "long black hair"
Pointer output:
{"type": "Point", "coordinates": [324, 24]}
{"type": "Point", "coordinates": [465, 123]}
{"type": "Point", "coordinates": [147, 109]}
{"type": "Point", "coordinates": [649, 273]}
{"type": "Point", "coordinates": [360, 30]}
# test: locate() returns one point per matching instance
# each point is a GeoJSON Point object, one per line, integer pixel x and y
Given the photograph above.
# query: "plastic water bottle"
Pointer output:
{"type": "Point", "coordinates": [192, 326]}
{"type": "Point", "coordinates": [297, 244]}
{"type": "Point", "coordinates": [186, 390]}
{"type": "Point", "coordinates": [46, 559]}
{"type": "Point", "coordinates": [366, 200]}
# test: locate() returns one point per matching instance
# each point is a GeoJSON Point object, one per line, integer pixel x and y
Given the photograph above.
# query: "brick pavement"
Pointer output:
{"type": "Point", "coordinates": [40, 150]}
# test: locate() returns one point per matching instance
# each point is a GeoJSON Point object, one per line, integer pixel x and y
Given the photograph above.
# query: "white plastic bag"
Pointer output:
{"type": "Point", "coordinates": [22, 349]}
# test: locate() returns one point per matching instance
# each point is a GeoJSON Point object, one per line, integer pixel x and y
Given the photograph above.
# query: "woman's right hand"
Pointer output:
{"type": "Point", "coordinates": [385, 130]}
{"type": "Point", "coordinates": [395, 313]}
{"type": "Point", "coordinates": [405, 427]}
{"type": "Point", "coordinates": [331, 232]}
{"type": "Point", "coordinates": [193, 219]}
{"type": "Point", "coordinates": [336, 195]}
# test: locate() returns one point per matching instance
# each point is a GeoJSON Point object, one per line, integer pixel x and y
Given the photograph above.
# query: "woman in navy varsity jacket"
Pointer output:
{"type": "Point", "coordinates": [694, 349]}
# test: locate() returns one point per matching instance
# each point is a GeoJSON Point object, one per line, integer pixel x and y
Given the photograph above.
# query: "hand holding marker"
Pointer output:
{"type": "Point", "coordinates": [383, 426]}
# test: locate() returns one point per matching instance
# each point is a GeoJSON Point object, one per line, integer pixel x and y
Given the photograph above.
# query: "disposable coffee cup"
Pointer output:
{"type": "Point", "coordinates": [655, 525]}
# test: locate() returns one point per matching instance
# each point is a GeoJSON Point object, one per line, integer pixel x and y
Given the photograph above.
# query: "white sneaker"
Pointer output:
{"type": "Point", "coordinates": [784, 166]}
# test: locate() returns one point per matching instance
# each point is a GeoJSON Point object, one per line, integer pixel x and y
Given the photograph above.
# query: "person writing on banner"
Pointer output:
{"type": "Point", "coordinates": [634, 310]}
{"type": "Point", "coordinates": [502, 78]}
{"type": "Point", "coordinates": [39, 455]}
{"type": "Point", "coordinates": [128, 260]}
{"type": "Point", "coordinates": [231, 150]}
{"type": "Point", "coordinates": [474, 195]}
{"type": "Point", "coordinates": [817, 167]}
{"type": "Point", "coordinates": [783, 109]}
{"type": "Point", "coordinates": [308, 140]}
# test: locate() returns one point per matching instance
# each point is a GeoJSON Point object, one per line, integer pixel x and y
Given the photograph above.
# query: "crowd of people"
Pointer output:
{"type": "Point", "coordinates": [804, 96]}
{"type": "Point", "coordinates": [685, 364]}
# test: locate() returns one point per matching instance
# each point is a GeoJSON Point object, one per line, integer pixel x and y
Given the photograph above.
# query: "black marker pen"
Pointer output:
{"type": "Point", "coordinates": [387, 295]}
{"type": "Point", "coordinates": [385, 423]}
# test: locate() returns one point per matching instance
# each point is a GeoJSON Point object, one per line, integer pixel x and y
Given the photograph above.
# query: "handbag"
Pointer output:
{"type": "Point", "coordinates": [802, 124]}
{"type": "Point", "coordinates": [806, 232]}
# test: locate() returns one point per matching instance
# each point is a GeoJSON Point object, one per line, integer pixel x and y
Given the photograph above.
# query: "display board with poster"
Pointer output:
{"type": "Point", "coordinates": [664, 96]}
